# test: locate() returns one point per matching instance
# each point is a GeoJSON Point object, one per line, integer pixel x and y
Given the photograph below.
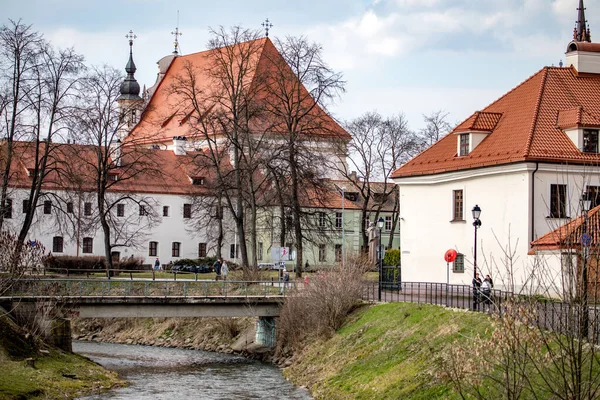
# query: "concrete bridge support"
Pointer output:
{"type": "Point", "coordinates": [266, 331]}
{"type": "Point", "coordinates": [60, 334]}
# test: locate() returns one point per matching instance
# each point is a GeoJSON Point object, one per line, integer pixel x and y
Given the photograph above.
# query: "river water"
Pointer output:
{"type": "Point", "coordinates": [178, 374]}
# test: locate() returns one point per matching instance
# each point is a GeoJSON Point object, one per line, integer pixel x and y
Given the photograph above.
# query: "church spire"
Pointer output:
{"type": "Point", "coordinates": [130, 88]}
{"type": "Point", "coordinates": [581, 33]}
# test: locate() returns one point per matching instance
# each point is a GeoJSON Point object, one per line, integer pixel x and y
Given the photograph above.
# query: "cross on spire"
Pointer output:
{"type": "Point", "coordinates": [176, 34]}
{"type": "Point", "coordinates": [267, 25]}
{"type": "Point", "coordinates": [130, 36]}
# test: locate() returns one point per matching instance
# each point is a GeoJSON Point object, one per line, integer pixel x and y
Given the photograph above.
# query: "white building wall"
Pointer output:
{"type": "Point", "coordinates": [427, 229]}
{"type": "Point", "coordinates": [166, 231]}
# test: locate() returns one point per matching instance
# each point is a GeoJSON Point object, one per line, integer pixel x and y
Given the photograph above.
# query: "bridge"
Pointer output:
{"type": "Point", "coordinates": [62, 299]}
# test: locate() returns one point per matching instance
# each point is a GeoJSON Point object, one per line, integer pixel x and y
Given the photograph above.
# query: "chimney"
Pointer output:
{"type": "Point", "coordinates": [179, 145]}
{"type": "Point", "coordinates": [353, 176]}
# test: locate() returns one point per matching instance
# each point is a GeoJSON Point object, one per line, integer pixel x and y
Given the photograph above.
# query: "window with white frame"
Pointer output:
{"type": "Point", "coordinates": [464, 144]}
{"type": "Point", "coordinates": [338, 220]}
{"type": "Point", "coordinates": [338, 252]}
{"type": "Point", "coordinates": [175, 249]}
{"type": "Point", "coordinates": [322, 253]}
{"type": "Point", "coordinates": [388, 223]}
{"type": "Point", "coordinates": [457, 205]}
{"type": "Point", "coordinates": [153, 249]}
{"type": "Point", "coordinates": [322, 219]}
{"type": "Point", "coordinates": [88, 245]}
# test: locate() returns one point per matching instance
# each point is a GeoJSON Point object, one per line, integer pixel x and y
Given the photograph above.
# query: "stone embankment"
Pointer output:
{"type": "Point", "coordinates": [223, 335]}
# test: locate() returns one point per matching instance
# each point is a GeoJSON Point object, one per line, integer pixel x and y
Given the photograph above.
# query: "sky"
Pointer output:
{"type": "Point", "coordinates": [396, 56]}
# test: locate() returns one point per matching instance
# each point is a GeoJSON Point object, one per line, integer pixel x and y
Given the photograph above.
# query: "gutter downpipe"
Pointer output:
{"type": "Point", "coordinates": [537, 164]}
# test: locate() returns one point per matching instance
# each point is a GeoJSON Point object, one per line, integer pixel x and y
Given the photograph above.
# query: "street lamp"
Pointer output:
{"type": "Point", "coordinates": [476, 223]}
{"type": "Point", "coordinates": [380, 261]}
{"type": "Point", "coordinates": [586, 240]}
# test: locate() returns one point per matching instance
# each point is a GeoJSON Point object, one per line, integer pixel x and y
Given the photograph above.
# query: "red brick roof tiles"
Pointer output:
{"type": "Point", "coordinates": [167, 114]}
{"type": "Point", "coordinates": [527, 129]}
{"type": "Point", "coordinates": [568, 236]}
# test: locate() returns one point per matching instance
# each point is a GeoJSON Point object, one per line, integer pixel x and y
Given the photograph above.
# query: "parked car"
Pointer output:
{"type": "Point", "coordinates": [271, 266]}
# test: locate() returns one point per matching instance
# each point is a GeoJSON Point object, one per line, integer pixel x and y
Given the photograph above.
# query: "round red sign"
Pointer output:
{"type": "Point", "coordinates": [450, 255]}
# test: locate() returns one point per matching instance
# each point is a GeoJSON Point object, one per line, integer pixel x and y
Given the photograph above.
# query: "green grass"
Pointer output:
{"type": "Point", "coordinates": [56, 376]}
{"type": "Point", "coordinates": [386, 352]}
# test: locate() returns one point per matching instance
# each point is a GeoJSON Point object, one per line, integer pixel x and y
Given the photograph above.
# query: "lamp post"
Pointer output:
{"type": "Point", "coordinates": [476, 223]}
{"type": "Point", "coordinates": [380, 260]}
{"type": "Point", "coordinates": [585, 243]}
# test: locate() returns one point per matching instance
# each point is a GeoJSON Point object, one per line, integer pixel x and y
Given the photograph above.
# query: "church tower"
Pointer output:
{"type": "Point", "coordinates": [582, 54]}
{"type": "Point", "coordinates": [130, 103]}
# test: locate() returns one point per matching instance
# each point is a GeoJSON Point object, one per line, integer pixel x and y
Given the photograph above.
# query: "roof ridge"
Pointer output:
{"type": "Point", "coordinates": [537, 112]}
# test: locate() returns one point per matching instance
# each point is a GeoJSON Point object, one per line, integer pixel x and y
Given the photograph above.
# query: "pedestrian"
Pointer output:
{"type": "Point", "coordinates": [491, 281]}
{"type": "Point", "coordinates": [486, 291]}
{"type": "Point", "coordinates": [217, 268]}
{"type": "Point", "coordinates": [476, 291]}
{"type": "Point", "coordinates": [156, 264]}
{"type": "Point", "coordinates": [286, 279]}
{"type": "Point", "coordinates": [224, 270]}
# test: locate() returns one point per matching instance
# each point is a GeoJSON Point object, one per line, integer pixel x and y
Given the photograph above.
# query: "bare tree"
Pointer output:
{"type": "Point", "coordinates": [436, 126]}
{"type": "Point", "coordinates": [299, 87]}
{"type": "Point", "coordinates": [377, 148]}
{"type": "Point", "coordinates": [109, 169]}
{"type": "Point", "coordinates": [19, 49]}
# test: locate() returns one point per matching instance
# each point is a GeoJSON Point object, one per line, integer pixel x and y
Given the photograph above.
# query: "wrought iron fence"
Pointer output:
{"type": "Point", "coordinates": [551, 315]}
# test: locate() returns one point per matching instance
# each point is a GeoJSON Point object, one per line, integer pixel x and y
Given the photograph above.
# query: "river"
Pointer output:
{"type": "Point", "coordinates": [178, 374]}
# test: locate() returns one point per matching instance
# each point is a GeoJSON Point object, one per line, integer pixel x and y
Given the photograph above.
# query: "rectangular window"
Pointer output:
{"type": "Point", "coordinates": [153, 249]}
{"type": "Point", "coordinates": [322, 253]}
{"type": "Point", "coordinates": [57, 244]}
{"type": "Point", "coordinates": [558, 201]}
{"type": "Point", "coordinates": [197, 181]}
{"type": "Point", "coordinates": [87, 209]}
{"type": "Point", "coordinates": [120, 210]}
{"type": "Point", "coordinates": [165, 211]}
{"type": "Point", "coordinates": [234, 250]}
{"type": "Point", "coordinates": [175, 249]}
{"type": "Point", "coordinates": [187, 211]}
{"type": "Point", "coordinates": [464, 144]}
{"type": "Point", "coordinates": [459, 263]}
{"type": "Point", "coordinates": [338, 220]}
{"type": "Point", "coordinates": [70, 208]}
{"type": "Point", "coordinates": [260, 251]}
{"type": "Point", "coordinates": [47, 207]}
{"type": "Point", "coordinates": [25, 206]}
{"type": "Point", "coordinates": [322, 217]}
{"type": "Point", "coordinates": [201, 250]}
{"type": "Point", "coordinates": [88, 245]}
{"type": "Point", "coordinates": [367, 223]}
{"type": "Point", "coordinates": [8, 209]}
{"type": "Point", "coordinates": [457, 205]}
{"type": "Point", "coordinates": [143, 211]}
{"type": "Point", "coordinates": [593, 193]}
{"type": "Point", "coordinates": [338, 252]}
{"type": "Point", "coordinates": [590, 141]}
{"type": "Point", "coordinates": [388, 223]}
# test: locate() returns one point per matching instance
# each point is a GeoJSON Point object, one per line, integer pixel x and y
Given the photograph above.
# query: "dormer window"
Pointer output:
{"type": "Point", "coordinates": [352, 196]}
{"type": "Point", "coordinates": [113, 177]}
{"type": "Point", "coordinates": [198, 181]}
{"type": "Point", "coordinates": [590, 141]}
{"type": "Point", "coordinates": [464, 145]}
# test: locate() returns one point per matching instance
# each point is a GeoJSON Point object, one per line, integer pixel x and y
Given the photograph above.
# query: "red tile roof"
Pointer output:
{"type": "Point", "coordinates": [159, 172]}
{"type": "Point", "coordinates": [480, 121]}
{"type": "Point", "coordinates": [527, 130]}
{"type": "Point", "coordinates": [169, 111]}
{"type": "Point", "coordinates": [568, 236]}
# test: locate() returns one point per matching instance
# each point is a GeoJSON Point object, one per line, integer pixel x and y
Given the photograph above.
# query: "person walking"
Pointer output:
{"type": "Point", "coordinates": [476, 291]}
{"type": "Point", "coordinates": [217, 268]}
{"type": "Point", "coordinates": [486, 292]}
{"type": "Point", "coordinates": [156, 264]}
{"type": "Point", "coordinates": [286, 279]}
{"type": "Point", "coordinates": [224, 270]}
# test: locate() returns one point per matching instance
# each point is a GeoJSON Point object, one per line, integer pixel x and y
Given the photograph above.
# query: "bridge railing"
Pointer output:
{"type": "Point", "coordinates": [146, 288]}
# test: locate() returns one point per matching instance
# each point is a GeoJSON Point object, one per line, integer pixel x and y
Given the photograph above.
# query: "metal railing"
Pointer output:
{"type": "Point", "coordinates": [146, 288]}
{"type": "Point", "coordinates": [551, 315]}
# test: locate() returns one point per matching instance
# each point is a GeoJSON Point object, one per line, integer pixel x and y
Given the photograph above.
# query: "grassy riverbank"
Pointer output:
{"type": "Point", "coordinates": [53, 375]}
{"type": "Point", "coordinates": [386, 351]}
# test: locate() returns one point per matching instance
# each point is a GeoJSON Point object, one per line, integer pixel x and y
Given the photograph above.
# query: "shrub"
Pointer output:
{"type": "Point", "coordinates": [392, 257]}
{"type": "Point", "coordinates": [320, 308]}
{"type": "Point", "coordinates": [62, 264]}
{"type": "Point", "coordinates": [132, 264]}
